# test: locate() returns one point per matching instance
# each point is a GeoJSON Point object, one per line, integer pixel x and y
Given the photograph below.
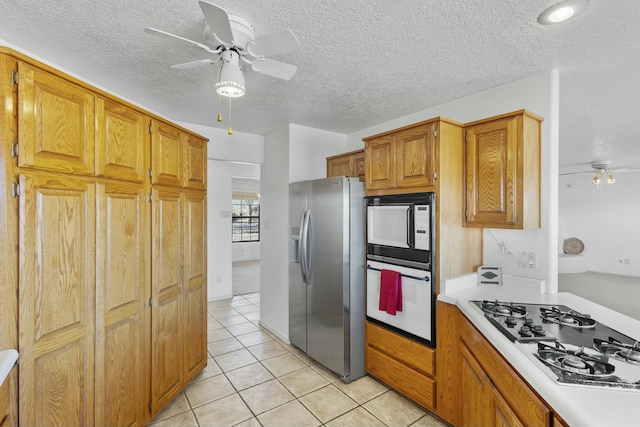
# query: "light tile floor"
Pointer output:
{"type": "Point", "coordinates": [255, 379]}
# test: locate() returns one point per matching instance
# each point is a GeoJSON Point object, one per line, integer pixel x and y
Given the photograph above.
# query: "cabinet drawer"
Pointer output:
{"type": "Point", "coordinates": [515, 391]}
{"type": "Point", "coordinates": [402, 378]}
{"type": "Point", "coordinates": [417, 356]}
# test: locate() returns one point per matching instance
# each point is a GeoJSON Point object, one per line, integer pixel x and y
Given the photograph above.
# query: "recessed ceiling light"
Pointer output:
{"type": "Point", "coordinates": [562, 11]}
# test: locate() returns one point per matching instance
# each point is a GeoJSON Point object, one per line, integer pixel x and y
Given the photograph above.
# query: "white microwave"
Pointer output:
{"type": "Point", "coordinates": [400, 226]}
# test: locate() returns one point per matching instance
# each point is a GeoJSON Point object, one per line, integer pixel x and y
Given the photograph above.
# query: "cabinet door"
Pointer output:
{"type": "Point", "coordinates": [501, 414]}
{"type": "Point", "coordinates": [166, 154]}
{"type": "Point", "coordinates": [57, 301]}
{"type": "Point", "coordinates": [195, 294]}
{"type": "Point", "coordinates": [415, 156]}
{"type": "Point", "coordinates": [380, 159]}
{"type": "Point", "coordinates": [196, 163]}
{"type": "Point", "coordinates": [122, 312]}
{"type": "Point", "coordinates": [474, 385]}
{"type": "Point", "coordinates": [491, 173]}
{"type": "Point", "coordinates": [57, 123]}
{"type": "Point", "coordinates": [340, 166]}
{"type": "Point", "coordinates": [167, 294]}
{"type": "Point", "coordinates": [123, 141]}
{"type": "Point", "coordinates": [358, 165]}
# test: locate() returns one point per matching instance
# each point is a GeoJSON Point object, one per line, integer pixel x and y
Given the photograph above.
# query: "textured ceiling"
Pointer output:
{"type": "Point", "coordinates": [360, 62]}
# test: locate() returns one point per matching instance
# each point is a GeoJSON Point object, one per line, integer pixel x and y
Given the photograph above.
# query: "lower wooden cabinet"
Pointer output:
{"type": "Point", "coordinates": [479, 387]}
{"type": "Point", "coordinates": [401, 363]}
{"type": "Point", "coordinates": [57, 301]}
{"type": "Point", "coordinates": [5, 403]}
{"type": "Point", "coordinates": [123, 315]}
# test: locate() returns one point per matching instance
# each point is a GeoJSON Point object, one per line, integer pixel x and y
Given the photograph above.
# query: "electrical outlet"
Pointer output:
{"type": "Point", "coordinates": [527, 260]}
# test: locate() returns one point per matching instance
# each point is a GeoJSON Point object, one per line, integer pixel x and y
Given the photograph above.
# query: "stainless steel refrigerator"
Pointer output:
{"type": "Point", "coordinates": [326, 273]}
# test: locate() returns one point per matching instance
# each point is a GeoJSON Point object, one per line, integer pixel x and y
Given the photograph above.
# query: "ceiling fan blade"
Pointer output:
{"type": "Point", "coordinates": [273, 44]}
{"type": "Point", "coordinates": [194, 64]}
{"type": "Point", "coordinates": [273, 68]}
{"type": "Point", "coordinates": [182, 39]}
{"type": "Point", "coordinates": [576, 173]}
{"type": "Point", "coordinates": [218, 20]}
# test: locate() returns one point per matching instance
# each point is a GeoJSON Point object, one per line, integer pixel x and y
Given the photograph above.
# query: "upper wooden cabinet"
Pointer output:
{"type": "Point", "coordinates": [57, 123]}
{"type": "Point", "coordinates": [178, 159]}
{"type": "Point", "coordinates": [123, 141]}
{"type": "Point", "coordinates": [196, 163]}
{"type": "Point", "coordinates": [167, 143]}
{"type": "Point", "coordinates": [403, 159]}
{"type": "Point", "coordinates": [347, 164]}
{"type": "Point", "coordinates": [503, 171]}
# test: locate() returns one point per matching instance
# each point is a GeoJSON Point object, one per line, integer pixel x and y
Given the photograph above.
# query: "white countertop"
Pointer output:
{"type": "Point", "coordinates": [578, 406]}
{"type": "Point", "coordinates": [7, 360]}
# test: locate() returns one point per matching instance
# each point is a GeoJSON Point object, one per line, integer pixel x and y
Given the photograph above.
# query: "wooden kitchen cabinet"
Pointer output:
{"type": "Point", "coordinates": [57, 301]}
{"type": "Point", "coordinates": [348, 164]}
{"type": "Point", "coordinates": [167, 157]}
{"type": "Point", "coordinates": [5, 403]}
{"type": "Point", "coordinates": [195, 162]}
{"type": "Point", "coordinates": [409, 367]}
{"type": "Point", "coordinates": [123, 315]}
{"type": "Point", "coordinates": [432, 159]}
{"type": "Point", "coordinates": [122, 151]}
{"type": "Point", "coordinates": [503, 171]}
{"type": "Point", "coordinates": [402, 160]}
{"type": "Point", "coordinates": [107, 303]}
{"type": "Point", "coordinates": [478, 387]}
{"type": "Point", "coordinates": [195, 284]}
{"type": "Point", "coordinates": [167, 295]}
{"type": "Point", "coordinates": [57, 122]}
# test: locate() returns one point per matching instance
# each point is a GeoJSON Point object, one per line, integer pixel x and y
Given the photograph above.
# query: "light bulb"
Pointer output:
{"type": "Point", "coordinates": [610, 179]}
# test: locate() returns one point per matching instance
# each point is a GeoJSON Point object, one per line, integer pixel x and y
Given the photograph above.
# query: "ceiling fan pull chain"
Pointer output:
{"type": "Point", "coordinates": [219, 110]}
{"type": "Point", "coordinates": [230, 129]}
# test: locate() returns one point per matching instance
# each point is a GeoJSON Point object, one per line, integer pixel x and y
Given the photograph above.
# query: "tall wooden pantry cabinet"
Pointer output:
{"type": "Point", "coordinates": [104, 253]}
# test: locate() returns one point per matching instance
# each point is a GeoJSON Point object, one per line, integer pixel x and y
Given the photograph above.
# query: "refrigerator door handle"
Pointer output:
{"type": "Point", "coordinates": [308, 250]}
{"type": "Point", "coordinates": [302, 246]}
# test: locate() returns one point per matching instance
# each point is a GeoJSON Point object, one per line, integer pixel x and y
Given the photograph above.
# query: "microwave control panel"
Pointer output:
{"type": "Point", "coordinates": [421, 223]}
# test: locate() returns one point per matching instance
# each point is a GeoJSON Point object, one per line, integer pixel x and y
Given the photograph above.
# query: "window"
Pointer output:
{"type": "Point", "coordinates": [245, 219]}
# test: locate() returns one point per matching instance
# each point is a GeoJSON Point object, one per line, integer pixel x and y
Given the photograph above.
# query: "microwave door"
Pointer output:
{"type": "Point", "coordinates": [389, 225]}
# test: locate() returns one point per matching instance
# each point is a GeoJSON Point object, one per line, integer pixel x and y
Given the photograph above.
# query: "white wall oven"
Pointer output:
{"type": "Point", "coordinates": [401, 239]}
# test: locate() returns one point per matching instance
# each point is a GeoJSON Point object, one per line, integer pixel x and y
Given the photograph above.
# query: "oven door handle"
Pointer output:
{"type": "Point", "coordinates": [423, 279]}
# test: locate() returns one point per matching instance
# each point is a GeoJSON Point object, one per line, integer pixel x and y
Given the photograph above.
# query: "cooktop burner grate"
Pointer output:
{"type": "Point", "coordinates": [567, 318]}
{"type": "Point", "coordinates": [629, 353]}
{"type": "Point", "coordinates": [499, 308]}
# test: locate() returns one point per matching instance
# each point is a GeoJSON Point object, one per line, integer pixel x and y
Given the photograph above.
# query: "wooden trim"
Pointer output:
{"type": "Point", "coordinates": [425, 122]}
{"type": "Point", "coordinates": [348, 153]}
{"type": "Point", "coordinates": [502, 116]}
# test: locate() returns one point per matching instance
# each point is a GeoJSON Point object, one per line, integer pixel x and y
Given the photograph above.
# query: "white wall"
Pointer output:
{"type": "Point", "coordinates": [291, 153]}
{"type": "Point", "coordinates": [309, 149]}
{"type": "Point", "coordinates": [227, 155]}
{"type": "Point", "coordinates": [607, 222]}
{"type": "Point", "coordinates": [274, 275]}
{"type": "Point", "coordinates": [538, 94]}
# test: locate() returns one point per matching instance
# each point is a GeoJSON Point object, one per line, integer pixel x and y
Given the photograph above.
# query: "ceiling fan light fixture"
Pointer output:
{"type": "Point", "coordinates": [561, 12]}
{"type": "Point", "coordinates": [611, 179]}
{"type": "Point", "coordinates": [231, 79]}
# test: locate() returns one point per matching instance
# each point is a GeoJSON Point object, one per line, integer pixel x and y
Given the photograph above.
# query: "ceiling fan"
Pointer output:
{"type": "Point", "coordinates": [600, 169]}
{"type": "Point", "coordinates": [231, 39]}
